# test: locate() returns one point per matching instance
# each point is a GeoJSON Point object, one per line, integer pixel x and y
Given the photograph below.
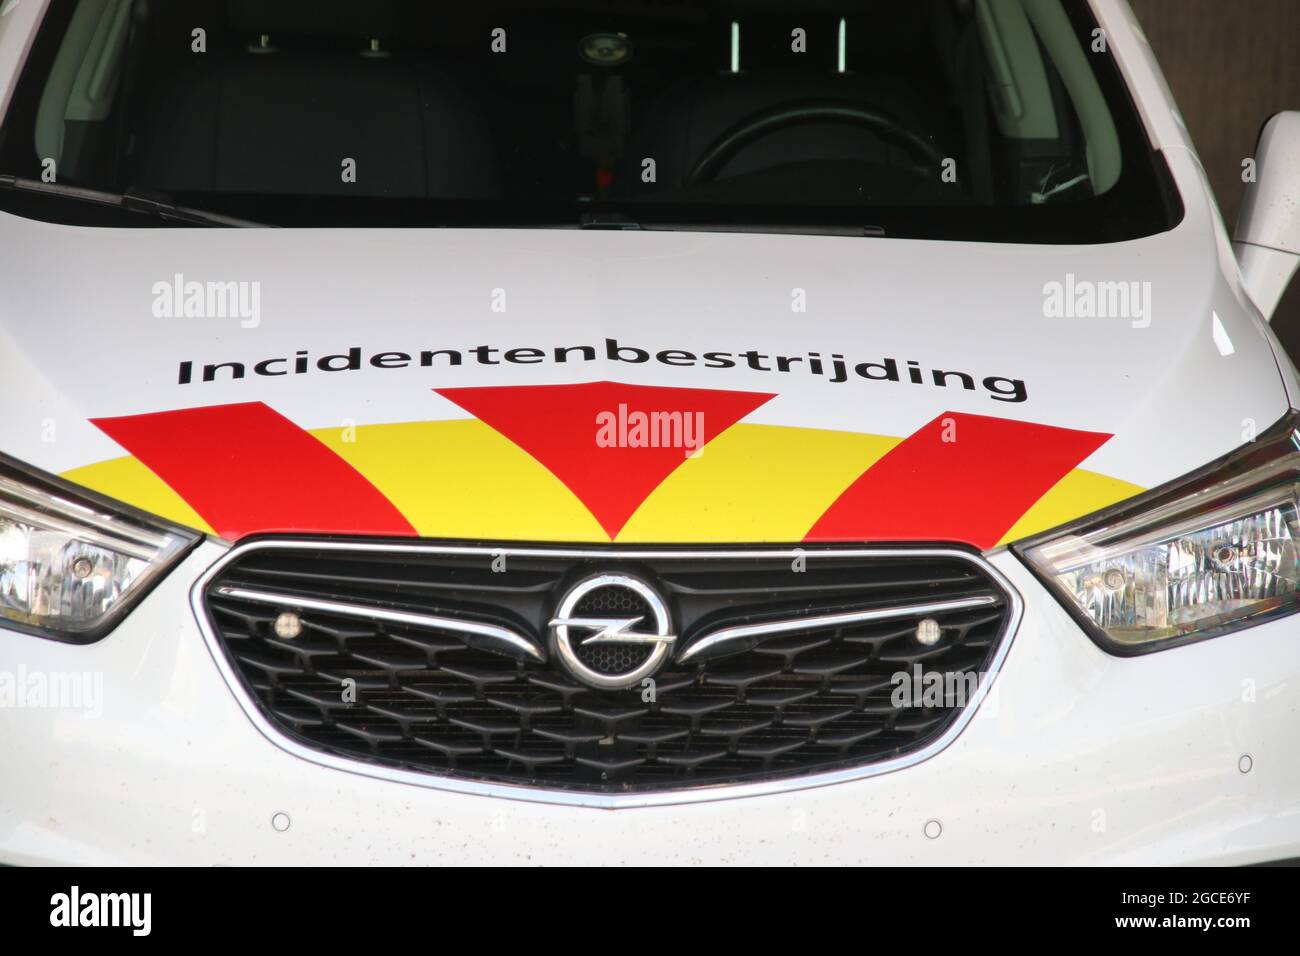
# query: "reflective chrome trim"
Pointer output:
{"type": "Point", "coordinates": [604, 801]}
{"type": "Point", "coordinates": [488, 636]}
{"type": "Point", "coordinates": [611, 631]}
{"type": "Point", "coordinates": [756, 632]}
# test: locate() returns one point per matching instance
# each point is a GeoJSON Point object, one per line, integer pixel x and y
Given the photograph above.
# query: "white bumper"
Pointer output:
{"type": "Point", "coordinates": [1079, 757]}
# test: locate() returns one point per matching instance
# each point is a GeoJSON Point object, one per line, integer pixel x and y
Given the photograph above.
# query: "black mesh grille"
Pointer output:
{"type": "Point", "coordinates": [422, 698]}
{"type": "Point", "coordinates": [612, 658]}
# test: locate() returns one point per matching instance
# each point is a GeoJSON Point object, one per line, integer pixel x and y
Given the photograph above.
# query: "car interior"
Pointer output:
{"type": "Point", "coordinates": [630, 106]}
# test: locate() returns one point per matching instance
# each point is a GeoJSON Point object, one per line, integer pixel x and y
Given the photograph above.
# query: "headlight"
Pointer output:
{"type": "Point", "coordinates": [71, 563]}
{"type": "Point", "coordinates": [1207, 555]}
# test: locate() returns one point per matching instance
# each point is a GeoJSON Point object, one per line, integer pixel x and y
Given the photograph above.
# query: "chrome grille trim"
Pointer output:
{"type": "Point", "coordinates": [488, 636]}
{"type": "Point", "coordinates": [756, 632]}
{"type": "Point", "coordinates": [685, 795]}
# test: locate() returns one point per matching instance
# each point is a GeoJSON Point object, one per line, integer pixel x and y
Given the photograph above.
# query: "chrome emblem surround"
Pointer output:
{"type": "Point", "coordinates": [611, 630]}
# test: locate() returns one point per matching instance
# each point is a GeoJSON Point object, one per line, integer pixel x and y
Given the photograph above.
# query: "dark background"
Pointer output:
{"type": "Point", "coordinates": [1231, 65]}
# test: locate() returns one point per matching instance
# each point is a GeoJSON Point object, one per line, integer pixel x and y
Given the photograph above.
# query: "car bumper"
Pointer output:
{"type": "Point", "coordinates": [1184, 756]}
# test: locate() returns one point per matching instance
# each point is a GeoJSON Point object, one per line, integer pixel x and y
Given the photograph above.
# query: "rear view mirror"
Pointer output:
{"type": "Point", "coordinates": [1268, 231]}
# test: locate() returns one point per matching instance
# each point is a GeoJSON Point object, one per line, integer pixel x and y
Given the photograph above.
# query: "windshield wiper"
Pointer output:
{"type": "Point", "coordinates": [155, 205]}
{"type": "Point", "coordinates": [768, 228]}
{"type": "Point", "coordinates": [606, 220]}
{"type": "Point", "coordinates": [617, 220]}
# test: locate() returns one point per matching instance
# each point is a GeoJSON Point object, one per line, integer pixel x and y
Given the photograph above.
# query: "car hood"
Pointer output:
{"type": "Point", "coordinates": [567, 385]}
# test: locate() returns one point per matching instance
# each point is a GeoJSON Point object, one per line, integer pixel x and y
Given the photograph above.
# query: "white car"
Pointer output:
{"type": "Point", "coordinates": [714, 432]}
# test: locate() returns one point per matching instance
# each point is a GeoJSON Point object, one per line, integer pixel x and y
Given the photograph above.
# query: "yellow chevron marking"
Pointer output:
{"type": "Point", "coordinates": [1077, 494]}
{"type": "Point", "coordinates": [755, 483]}
{"type": "Point", "coordinates": [462, 479]}
{"type": "Point", "coordinates": [128, 480]}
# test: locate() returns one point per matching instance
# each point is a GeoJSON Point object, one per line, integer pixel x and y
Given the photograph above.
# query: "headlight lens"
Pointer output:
{"type": "Point", "coordinates": [1211, 554]}
{"type": "Point", "coordinates": [72, 564]}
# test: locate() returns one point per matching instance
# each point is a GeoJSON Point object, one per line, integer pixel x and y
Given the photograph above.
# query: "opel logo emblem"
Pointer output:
{"type": "Point", "coordinates": [611, 631]}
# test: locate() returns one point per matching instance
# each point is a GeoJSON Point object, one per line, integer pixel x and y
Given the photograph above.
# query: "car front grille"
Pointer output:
{"type": "Point", "coordinates": [442, 660]}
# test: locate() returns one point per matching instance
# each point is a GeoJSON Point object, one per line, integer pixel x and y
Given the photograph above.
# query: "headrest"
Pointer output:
{"type": "Point", "coordinates": [361, 19]}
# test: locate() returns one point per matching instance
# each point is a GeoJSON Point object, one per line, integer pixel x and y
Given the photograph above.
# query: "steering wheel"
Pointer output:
{"type": "Point", "coordinates": [755, 127]}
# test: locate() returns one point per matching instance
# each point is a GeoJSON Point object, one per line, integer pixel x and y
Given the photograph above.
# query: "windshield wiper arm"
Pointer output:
{"type": "Point", "coordinates": [768, 228]}
{"type": "Point", "coordinates": [617, 220]}
{"type": "Point", "coordinates": [157, 206]}
{"type": "Point", "coordinates": [606, 220]}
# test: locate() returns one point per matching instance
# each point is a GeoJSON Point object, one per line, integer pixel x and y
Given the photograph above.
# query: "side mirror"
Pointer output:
{"type": "Point", "coordinates": [1267, 241]}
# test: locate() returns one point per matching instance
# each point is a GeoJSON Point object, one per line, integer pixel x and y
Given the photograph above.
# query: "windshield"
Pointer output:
{"type": "Point", "coordinates": [1001, 120]}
